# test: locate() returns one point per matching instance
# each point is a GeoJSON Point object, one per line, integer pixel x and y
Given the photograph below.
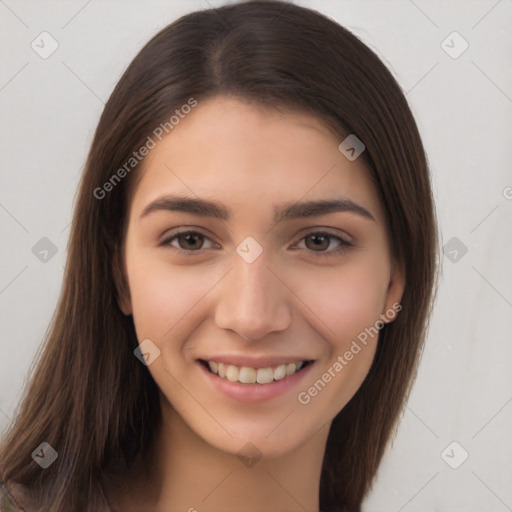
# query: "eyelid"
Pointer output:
{"type": "Point", "coordinates": [334, 233]}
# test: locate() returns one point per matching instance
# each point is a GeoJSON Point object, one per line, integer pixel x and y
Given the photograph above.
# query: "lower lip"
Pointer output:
{"type": "Point", "coordinates": [254, 393]}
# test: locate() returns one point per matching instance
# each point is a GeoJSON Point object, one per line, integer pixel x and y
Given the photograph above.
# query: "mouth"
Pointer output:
{"type": "Point", "coordinates": [249, 375]}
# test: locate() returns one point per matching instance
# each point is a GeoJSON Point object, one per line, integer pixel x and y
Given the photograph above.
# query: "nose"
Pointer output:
{"type": "Point", "coordinates": [253, 301]}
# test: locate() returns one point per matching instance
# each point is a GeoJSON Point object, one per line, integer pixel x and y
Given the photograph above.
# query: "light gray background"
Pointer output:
{"type": "Point", "coordinates": [49, 110]}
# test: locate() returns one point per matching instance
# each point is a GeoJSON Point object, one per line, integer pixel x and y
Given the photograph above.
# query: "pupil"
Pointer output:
{"type": "Point", "coordinates": [318, 240]}
{"type": "Point", "coordinates": [190, 237]}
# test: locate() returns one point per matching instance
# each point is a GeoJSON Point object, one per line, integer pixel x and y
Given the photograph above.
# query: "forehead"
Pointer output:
{"type": "Point", "coordinates": [247, 156]}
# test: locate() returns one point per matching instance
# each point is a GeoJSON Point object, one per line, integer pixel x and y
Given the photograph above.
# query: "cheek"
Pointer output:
{"type": "Point", "coordinates": [347, 304]}
{"type": "Point", "coordinates": [162, 294]}
{"type": "Point", "coordinates": [344, 301]}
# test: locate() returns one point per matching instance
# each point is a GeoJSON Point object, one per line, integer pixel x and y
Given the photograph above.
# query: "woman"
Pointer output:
{"type": "Point", "coordinates": [251, 271]}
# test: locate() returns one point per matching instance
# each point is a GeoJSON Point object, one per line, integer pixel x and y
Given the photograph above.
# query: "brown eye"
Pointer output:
{"type": "Point", "coordinates": [321, 244]}
{"type": "Point", "coordinates": [318, 242]}
{"type": "Point", "coordinates": [186, 242]}
{"type": "Point", "coordinates": [190, 241]}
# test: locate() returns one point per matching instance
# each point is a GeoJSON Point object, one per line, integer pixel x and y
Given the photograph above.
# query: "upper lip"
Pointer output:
{"type": "Point", "coordinates": [254, 362]}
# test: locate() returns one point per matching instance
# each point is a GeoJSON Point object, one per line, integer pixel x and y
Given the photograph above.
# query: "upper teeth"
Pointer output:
{"type": "Point", "coordinates": [248, 375]}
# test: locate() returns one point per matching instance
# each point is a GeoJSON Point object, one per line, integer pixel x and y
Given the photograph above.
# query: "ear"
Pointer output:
{"type": "Point", "coordinates": [121, 283]}
{"type": "Point", "coordinates": [394, 293]}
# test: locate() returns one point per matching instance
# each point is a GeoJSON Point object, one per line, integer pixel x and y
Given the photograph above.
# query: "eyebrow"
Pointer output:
{"type": "Point", "coordinates": [285, 211]}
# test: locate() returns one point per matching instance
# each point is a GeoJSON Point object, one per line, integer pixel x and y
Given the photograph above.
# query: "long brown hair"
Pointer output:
{"type": "Point", "coordinates": [89, 397]}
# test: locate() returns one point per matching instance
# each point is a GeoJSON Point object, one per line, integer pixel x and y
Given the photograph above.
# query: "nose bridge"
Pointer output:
{"type": "Point", "coordinates": [252, 300]}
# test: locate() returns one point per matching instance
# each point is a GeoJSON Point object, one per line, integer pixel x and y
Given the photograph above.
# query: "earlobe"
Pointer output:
{"type": "Point", "coordinates": [120, 281]}
{"type": "Point", "coordinates": [395, 292]}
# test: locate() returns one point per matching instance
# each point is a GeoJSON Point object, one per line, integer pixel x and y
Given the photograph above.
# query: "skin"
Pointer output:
{"type": "Point", "coordinates": [287, 302]}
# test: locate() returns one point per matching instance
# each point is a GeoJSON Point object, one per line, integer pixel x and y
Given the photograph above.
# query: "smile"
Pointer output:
{"type": "Point", "coordinates": [250, 375]}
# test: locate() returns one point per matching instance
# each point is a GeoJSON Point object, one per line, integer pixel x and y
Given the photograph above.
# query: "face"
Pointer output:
{"type": "Point", "coordinates": [256, 283]}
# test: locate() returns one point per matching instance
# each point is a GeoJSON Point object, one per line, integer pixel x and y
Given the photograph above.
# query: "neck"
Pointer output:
{"type": "Point", "coordinates": [187, 474]}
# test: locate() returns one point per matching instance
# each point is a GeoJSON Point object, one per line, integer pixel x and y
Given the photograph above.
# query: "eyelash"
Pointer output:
{"type": "Point", "coordinates": [344, 245]}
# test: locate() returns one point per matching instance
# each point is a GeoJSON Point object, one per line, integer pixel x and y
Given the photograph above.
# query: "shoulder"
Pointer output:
{"type": "Point", "coordinates": [8, 503]}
